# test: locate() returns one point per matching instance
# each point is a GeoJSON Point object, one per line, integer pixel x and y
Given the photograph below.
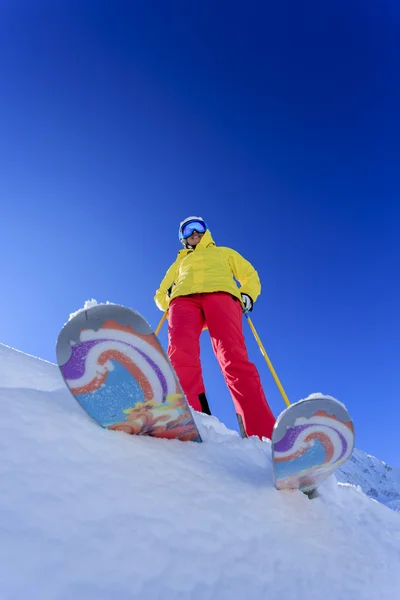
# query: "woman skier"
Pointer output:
{"type": "Point", "coordinates": [199, 289]}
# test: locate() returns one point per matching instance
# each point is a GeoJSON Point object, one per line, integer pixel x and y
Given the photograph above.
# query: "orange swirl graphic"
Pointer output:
{"type": "Point", "coordinates": [316, 435]}
{"type": "Point", "coordinates": [125, 361]}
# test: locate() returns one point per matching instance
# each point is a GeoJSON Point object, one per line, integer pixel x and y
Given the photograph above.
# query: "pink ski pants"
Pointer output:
{"type": "Point", "coordinates": [222, 314]}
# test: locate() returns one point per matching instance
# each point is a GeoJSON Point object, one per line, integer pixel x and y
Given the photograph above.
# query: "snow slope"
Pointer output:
{"type": "Point", "coordinates": [90, 514]}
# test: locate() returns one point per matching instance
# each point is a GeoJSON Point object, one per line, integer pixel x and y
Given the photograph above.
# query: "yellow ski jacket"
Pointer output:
{"type": "Point", "coordinates": [208, 268]}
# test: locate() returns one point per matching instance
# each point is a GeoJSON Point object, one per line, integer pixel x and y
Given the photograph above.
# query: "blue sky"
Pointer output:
{"type": "Point", "coordinates": [278, 124]}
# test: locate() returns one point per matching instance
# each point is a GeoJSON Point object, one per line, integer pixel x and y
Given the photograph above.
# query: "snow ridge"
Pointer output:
{"type": "Point", "coordinates": [91, 514]}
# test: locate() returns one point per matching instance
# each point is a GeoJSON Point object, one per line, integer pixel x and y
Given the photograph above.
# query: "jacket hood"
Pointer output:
{"type": "Point", "coordinates": [196, 271]}
{"type": "Point", "coordinates": [206, 240]}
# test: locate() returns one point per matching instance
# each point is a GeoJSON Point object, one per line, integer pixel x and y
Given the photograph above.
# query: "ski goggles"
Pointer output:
{"type": "Point", "coordinates": [192, 226]}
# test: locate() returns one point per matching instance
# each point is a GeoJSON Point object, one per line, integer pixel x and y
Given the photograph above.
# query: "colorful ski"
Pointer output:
{"type": "Point", "coordinates": [311, 439]}
{"type": "Point", "coordinates": [116, 368]}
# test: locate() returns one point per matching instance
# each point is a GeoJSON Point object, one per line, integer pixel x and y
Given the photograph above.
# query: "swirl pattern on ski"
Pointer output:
{"type": "Point", "coordinates": [125, 382]}
{"type": "Point", "coordinates": [87, 369]}
{"type": "Point", "coordinates": [322, 431]}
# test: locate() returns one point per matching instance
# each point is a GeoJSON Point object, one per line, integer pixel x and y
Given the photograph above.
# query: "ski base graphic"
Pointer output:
{"type": "Point", "coordinates": [310, 440]}
{"type": "Point", "coordinates": [117, 370]}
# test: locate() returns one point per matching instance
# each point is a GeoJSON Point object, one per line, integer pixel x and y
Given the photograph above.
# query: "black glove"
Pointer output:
{"type": "Point", "coordinates": [247, 303]}
{"type": "Point", "coordinates": [169, 290]}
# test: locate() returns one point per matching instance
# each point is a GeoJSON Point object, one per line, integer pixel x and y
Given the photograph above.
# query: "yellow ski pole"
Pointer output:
{"type": "Point", "coordinates": [157, 331]}
{"type": "Point", "coordinates": [265, 355]}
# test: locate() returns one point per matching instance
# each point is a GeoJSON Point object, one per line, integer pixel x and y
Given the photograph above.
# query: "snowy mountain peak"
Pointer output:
{"type": "Point", "coordinates": [377, 479]}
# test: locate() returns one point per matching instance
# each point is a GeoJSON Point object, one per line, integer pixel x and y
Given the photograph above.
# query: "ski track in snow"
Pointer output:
{"type": "Point", "coordinates": [90, 514]}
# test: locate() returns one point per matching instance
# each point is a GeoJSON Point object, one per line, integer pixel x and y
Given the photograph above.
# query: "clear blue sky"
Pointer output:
{"type": "Point", "coordinates": [279, 123]}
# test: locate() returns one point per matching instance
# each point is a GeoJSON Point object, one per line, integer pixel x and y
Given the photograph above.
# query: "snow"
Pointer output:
{"type": "Point", "coordinates": [376, 478]}
{"type": "Point", "coordinates": [318, 395]}
{"type": "Point", "coordinates": [91, 514]}
{"type": "Point", "coordinates": [88, 304]}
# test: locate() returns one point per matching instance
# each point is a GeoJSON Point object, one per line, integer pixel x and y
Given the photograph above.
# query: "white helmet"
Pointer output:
{"type": "Point", "coordinates": [185, 222]}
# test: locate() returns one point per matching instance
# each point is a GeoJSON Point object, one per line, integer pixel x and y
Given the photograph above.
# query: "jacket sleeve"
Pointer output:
{"type": "Point", "coordinates": [246, 274]}
{"type": "Point", "coordinates": [161, 298]}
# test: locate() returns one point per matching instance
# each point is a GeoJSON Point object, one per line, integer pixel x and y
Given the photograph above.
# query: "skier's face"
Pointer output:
{"type": "Point", "coordinates": [194, 239]}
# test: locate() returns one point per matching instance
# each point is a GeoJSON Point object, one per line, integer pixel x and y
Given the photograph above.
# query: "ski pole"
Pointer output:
{"type": "Point", "coordinates": [265, 355]}
{"type": "Point", "coordinates": [157, 331]}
